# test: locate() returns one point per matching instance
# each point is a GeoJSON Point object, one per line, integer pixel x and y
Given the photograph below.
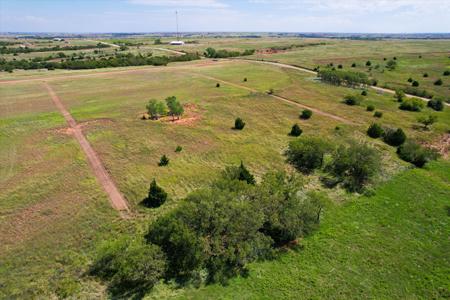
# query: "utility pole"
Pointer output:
{"type": "Point", "coordinates": [176, 16]}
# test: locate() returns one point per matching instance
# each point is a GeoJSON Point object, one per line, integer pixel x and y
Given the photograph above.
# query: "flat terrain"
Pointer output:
{"type": "Point", "coordinates": [54, 212]}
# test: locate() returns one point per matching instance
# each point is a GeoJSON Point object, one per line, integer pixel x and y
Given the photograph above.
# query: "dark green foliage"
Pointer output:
{"type": "Point", "coordinates": [394, 58]}
{"type": "Point", "coordinates": [436, 104]}
{"type": "Point", "coordinates": [364, 93]}
{"type": "Point", "coordinates": [399, 95]}
{"type": "Point", "coordinates": [340, 77]}
{"type": "Point", "coordinates": [10, 50]}
{"type": "Point", "coordinates": [155, 109]}
{"type": "Point", "coordinates": [306, 114]}
{"type": "Point", "coordinates": [270, 91]}
{"type": "Point", "coordinates": [378, 114]}
{"type": "Point", "coordinates": [179, 149]}
{"type": "Point", "coordinates": [240, 173]}
{"type": "Point", "coordinates": [306, 154]}
{"type": "Point", "coordinates": [354, 166]}
{"type": "Point", "coordinates": [368, 63]}
{"type": "Point", "coordinates": [217, 85]}
{"type": "Point", "coordinates": [391, 65]}
{"type": "Point", "coordinates": [375, 131]}
{"type": "Point", "coordinates": [415, 83]}
{"type": "Point", "coordinates": [353, 65]}
{"type": "Point", "coordinates": [157, 41]}
{"type": "Point", "coordinates": [245, 79]}
{"type": "Point", "coordinates": [164, 161]}
{"type": "Point", "coordinates": [213, 53]}
{"type": "Point", "coordinates": [370, 107]}
{"type": "Point", "coordinates": [416, 154]}
{"type": "Point", "coordinates": [425, 75]}
{"type": "Point", "coordinates": [410, 79]}
{"type": "Point", "coordinates": [129, 264]}
{"type": "Point", "coordinates": [239, 124]}
{"type": "Point", "coordinates": [446, 73]}
{"type": "Point", "coordinates": [340, 67]}
{"type": "Point", "coordinates": [438, 82]}
{"type": "Point", "coordinates": [156, 196]}
{"type": "Point", "coordinates": [374, 82]}
{"type": "Point", "coordinates": [418, 92]}
{"type": "Point", "coordinates": [296, 130]}
{"type": "Point", "coordinates": [412, 104]}
{"type": "Point", "coordinates": [175, 107]}
{"type": "Point", "coordinates": [352, 99]}
{"type": "Point", "coordinates": [394, 137]}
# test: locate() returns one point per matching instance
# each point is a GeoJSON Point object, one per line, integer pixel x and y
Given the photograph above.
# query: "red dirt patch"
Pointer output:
{"type": "Point", "coordinates": [442, 145]}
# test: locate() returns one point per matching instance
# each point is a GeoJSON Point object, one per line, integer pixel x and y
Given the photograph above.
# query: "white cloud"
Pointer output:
{"type": "Point", "coordinates": [181, 3]}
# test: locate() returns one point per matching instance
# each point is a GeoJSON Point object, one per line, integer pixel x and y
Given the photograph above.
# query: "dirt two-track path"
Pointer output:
{"type": "Point", "coordinates": [118, 202]}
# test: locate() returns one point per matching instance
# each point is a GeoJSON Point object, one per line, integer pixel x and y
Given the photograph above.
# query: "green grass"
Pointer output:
{"type": "Point", "coordinates": [393, 245]}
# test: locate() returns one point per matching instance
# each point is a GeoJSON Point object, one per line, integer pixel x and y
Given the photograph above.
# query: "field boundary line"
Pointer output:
{"type": "Point", "coordinates": [287, 100]}
{"type": "Point", "coordinates": [116, 199]}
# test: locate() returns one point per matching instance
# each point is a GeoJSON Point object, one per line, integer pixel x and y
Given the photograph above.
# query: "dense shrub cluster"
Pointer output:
{"type": "Point", "coordinates": [119, 60]}
{"type": "Point", "coordinates": [306, 114]}
{"type": "Point", "coordinates": [307, 154]}
{"type": "Point", "coordinates": [213, 53]}
{"type": "Point", "coordinates": [239, 124]}
{"type": "Point", "coordinates": [340, 77]}
{"type": "Point", "coordinates": [412, 104]}
{"type": "Point", "coordinates": [6, 50]}
{"type": "Point", "coordinates": [172, 107]}
{"type": "Point", "coordinates": [375, 131]}
{"type": "Point", "coordinates": [416, 154]}
{"type": "Point", "coordinates": [296, 130]}
{"type": "Point", "coordinates": [353, 99]}
{"type": "Point", "coordinates": [436, 104]}
{"type": "Point", "coordinates": [394, 137]}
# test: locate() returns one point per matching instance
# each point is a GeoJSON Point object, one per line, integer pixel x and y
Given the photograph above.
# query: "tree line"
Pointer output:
{"type": "Point", "coordinates": [341, 77]}
{"type": "Point", "coordinates": [10, 50]}
{"type": "Point", "coordinates": [213, 53]}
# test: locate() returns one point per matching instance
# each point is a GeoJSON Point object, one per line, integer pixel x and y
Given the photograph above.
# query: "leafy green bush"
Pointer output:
{"type": "Point", "coordinates": [378, 114]}
{"type": "Point", "coordinates": [179, 149]}
{"type": "Point", "coordinates": [370, 107]}
{"type": "Point", "coordinates": [416, 154]}
{"type": "Point", "coordinates": [306, 154]}
{"type": "Point", "coordinates": [412, 104]}
{"type": "Point", "coordinates": [415, 83]}
{"type": "Point", "coordinates": [438, 82]}
{"type": "Point", "coordinates": [164, 161]}
{"type": "Point", "coordinates": [352, 99]}
{"type": "Point", "coordinates": [239, 173]}
{"type": "Point", "coordinates": [394, 137]}
{"type": "Point", "coordinates": [436, 104]}
{"type": "Point", "coordinates": [354, 166]}
{"type": "Point", "coordinates": [128, 264]}
{"type": "Point", "coordinates": [306, 114]}
{"type": "Point", "coordinates": [446, 73]}
{"type": "Point", "coordinates": [375, 131]}
{"type": "Point", "coordinates": [239, 124]}
{"type": "Point", "coordinates": [156, 196]}
{"type": "Point", "coordinates": [364, 93]}
{"type": "Point", "coordinates": [296, 130]}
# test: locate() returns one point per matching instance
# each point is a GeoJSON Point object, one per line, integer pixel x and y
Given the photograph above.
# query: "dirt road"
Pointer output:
{"type": "Point", "coordinates": [118, 202]}
{"type": "Point", "coordinates": [315, 110]}
{"type": "Point", "coordinates": [171, 51]}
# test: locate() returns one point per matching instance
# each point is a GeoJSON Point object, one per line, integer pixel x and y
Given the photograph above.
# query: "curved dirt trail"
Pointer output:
{"type": "Point", "coordinates": [118, 202]}
{"type": "Point", "coordinates": [315, 110]}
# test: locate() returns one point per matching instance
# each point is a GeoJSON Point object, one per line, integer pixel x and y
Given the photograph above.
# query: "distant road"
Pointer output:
{"type": "Point", "coordinates": [376, 88]}
{"type": "Point", "coordinates": [105, 43]}
{"type": "Point", "coordinates": [170, 50]}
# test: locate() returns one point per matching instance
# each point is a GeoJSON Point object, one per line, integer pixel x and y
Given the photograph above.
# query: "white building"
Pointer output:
{"type": "Point", "coordinates": [177, 43]}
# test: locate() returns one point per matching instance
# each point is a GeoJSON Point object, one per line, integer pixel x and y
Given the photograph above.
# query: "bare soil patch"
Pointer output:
{"type": "Point", "coordinates": [442, 145]}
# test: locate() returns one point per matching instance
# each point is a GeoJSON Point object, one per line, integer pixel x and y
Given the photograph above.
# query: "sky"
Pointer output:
{"type": "Point", "coordinates": [348, 16]}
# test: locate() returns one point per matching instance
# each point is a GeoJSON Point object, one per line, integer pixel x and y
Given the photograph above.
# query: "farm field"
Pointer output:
{"type": "Point", "coordinates": [53, 212]}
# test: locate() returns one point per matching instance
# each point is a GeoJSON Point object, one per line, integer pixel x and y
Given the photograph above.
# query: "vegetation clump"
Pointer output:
{"type": "Point", "coordinates": [174, 106]}
{"type": "Point", "coordinates": [438, 82]}
{"type": "Point", "coordinates": [412, 104]}
{"type": "Point", "coordinates": [156, 196]}
{"type": "Point", "coordinates": [155, 109]}
{"type": "Point", "coordinates": [239, 124]}
{"type": "Point", "coordinates": [306, 114]}
{"type": "Point", "coordinates": [164, 161]}
{"type": "Point", "coordinates": [427, 121]}
{"type": "Point", "coordinates": [307, 154]}
{"type": "Point", "coordinates": [213, 53]}
{"type": "Point", "coordinates": [296, 130]}
{"type": "Point", "coordinates": [436, 104]}
{"type": "Point", "coordinates": [340, 77]}
{"type": "Point", "coordinates": [352, 99]}
{"type": "Point", "coordinates": [370, 107]}
{"type": "Point", "coordinates": [394, 137]}
{"type": "Point", "coordinates": [375, 131]}
{"type": "Point", "coordinates": [378, 114]}
{"type": "Point", "coordinates": [416, 154]}
{"type": "Point", "coordinates": [240, 173]}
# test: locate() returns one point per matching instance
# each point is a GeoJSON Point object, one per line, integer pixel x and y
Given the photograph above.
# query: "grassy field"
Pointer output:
{"type": "Point", "coordinates": [53, 213]}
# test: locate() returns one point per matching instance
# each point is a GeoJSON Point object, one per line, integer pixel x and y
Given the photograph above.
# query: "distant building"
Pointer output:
{"type": "Point", "coordinates": [177, 43]}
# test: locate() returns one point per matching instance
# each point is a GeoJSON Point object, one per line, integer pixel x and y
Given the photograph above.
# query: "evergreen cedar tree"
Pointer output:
{"type": "Point", "coordinates": [245, 175]}
{"type": "Point", "coordinates": [164, 161]}
{"type": "Point", "coordinates": [375, 131]}
{"type": "Point", "coordinates": [416, 154]}
{"type": "Point", "coordinates": [370, 107]}
{"type": "Point", "coordinates": [156, 196]}
{"type": "Point", "coordinates": [239, 124]}
{"type": "Point", "coordinates": [296, 130]}
{"type": "Point", "coordinates": [438, 82]}
{"type": "Point", "coordinates": [436, 104]}
{"type": "Point", "coordinates": [394, 137]}
{"type": "Point", "coordinates": [306, 114]}
{"type": "Point", "coordinates": [378, 114]}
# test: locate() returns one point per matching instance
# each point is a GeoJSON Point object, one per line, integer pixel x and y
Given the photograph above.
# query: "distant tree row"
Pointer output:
{"type": "Point", "coordinates": [213, 53]}
{"type": "Point", "coordinates": [10, 50]}
{"type": "Point", "coordinates": [119, 60]}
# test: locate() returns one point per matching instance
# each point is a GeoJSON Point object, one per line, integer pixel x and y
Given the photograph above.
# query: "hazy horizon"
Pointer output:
{"type": "Point", "coordinates": [258, 16]}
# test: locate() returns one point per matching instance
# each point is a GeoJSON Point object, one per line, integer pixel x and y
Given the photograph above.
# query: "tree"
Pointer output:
{"type": "Point", "coordinates": [296, 130]}
{"type": "Point", "coordinates": [352, 99]}
{"type": "Point", "coordinates": [155, 109]}
{"type": "Point", "coordinates": [415, 83]}
{"type": "Point", "coordinates": [175, 107]}
{"type": "Point", "coordinates": [413, 104]}
{"type": "Point", "coordinates": [391, 65]}
{"type": "Point", "coordinates": [355, 165]}
{"type": "Point", "coordinates": [340, 67]}
{"type": "Point", "coordinates": [164, 161]}
{"type": "Point", "coordinates": [353, 65]}
{"type": "Point", "coordinates": [446, 73]}
{"type": "Point", "coordinates": [375, 131]}
{"type": "Point", "coordinates": [438, 82]}
{"type": "Point", "coordinates": [436, 104]}
{"type": "Point", "coordinates": [427, 121]}
{"type": "Point", "coordinates": [306, 114]}
{"type": "Point", "coordinates": [245, 79]}
{"type": "Point", "coordinates": [370, 107]}
{"type": "Point", "coordinates": [307, 154]}
{"type": "Point", "coordinates": [128, 264]}
{"type": "Point", "coordinates": [364, 93]}
{"type": "Point", "coordinates": [394, 137]}
{"type": "Point", "coordinates": [416, 154]}
{"type": "Point", "coordinates": [239, 124]}
{"type": "Point", "coordinates": [368, 63]}
{"type": "Point", "coordinates": [425, 75]}
{"type": "Point", "coordinates": [156, 196]}
{"type": "Point", "coordinates": [410, 79]}
{"type": "Point", "coordinates": [178, 149]}
{"type": "Point", "coordinates": [240, 173]}
{"type": "Point", "coordinates": [217, 85]}
{"type": "Point", "coordinates": [210, 52]}
{"type": "Point", "coordinates": [157, 41]}
{"type": "Point", "coordinates": [399, 95]}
